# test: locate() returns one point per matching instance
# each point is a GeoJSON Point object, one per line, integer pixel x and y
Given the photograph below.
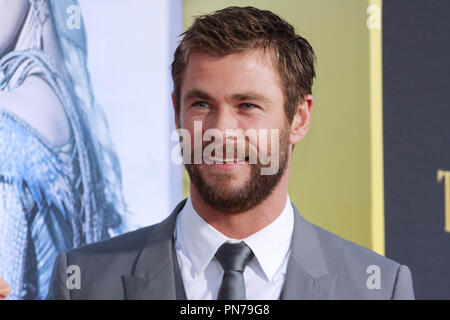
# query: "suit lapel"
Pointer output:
{"type": "Point", "coordinates": [154, 276]}
{"type": "Point", "coordinates": [307, 275]}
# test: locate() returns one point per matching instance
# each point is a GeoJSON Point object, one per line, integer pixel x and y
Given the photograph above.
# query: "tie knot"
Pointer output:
{"type": "Point", "coordinates": [234, 256]}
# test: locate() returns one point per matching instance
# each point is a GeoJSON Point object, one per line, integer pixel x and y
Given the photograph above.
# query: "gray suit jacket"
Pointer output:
{"type": "Point", "coordinates": [142, 265]}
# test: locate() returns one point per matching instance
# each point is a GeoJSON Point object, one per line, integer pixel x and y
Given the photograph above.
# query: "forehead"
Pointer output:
{"type": "Point", "coordinates": [248, 71]}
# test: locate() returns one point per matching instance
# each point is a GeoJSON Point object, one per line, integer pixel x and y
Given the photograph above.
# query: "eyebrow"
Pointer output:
{"type": "Point", "coordinates": [197, 94]}
{"type": "Point", "coordinates": [251, 95]}
{"type": "Point", "coordinates": [255, 96]}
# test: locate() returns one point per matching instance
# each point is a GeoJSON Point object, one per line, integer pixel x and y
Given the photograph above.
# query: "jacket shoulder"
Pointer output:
{"type": "Point", "coordinates": [101, 266]}
{"type": "Point", "coordinates": [361, 273]}
{"type": "Point", "coordinates": [336, 246]}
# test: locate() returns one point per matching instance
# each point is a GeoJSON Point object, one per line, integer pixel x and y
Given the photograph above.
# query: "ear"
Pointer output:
{"type": "Point", "coordinates": [176, 114]}
{"type": "Point", "coordinates": [301, 120]}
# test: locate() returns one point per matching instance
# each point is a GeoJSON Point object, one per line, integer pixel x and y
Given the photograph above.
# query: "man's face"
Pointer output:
{"type": "Point", "coordinates": [238, 91]}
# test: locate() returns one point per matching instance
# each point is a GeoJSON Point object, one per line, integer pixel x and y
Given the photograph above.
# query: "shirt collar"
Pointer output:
{"type": "Point", "coordinates": [200, 241]}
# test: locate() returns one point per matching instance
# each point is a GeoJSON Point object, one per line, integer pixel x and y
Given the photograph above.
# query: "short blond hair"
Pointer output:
{"type": "Point", "coordinates": [240, 29]}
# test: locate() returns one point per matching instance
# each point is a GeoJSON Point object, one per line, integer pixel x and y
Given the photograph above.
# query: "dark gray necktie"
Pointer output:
{"type": "Point", "coordinates": [233, 258]}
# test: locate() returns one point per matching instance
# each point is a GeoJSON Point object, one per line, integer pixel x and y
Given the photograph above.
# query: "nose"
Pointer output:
{"type": "Point", "coordinates": [222, 119]}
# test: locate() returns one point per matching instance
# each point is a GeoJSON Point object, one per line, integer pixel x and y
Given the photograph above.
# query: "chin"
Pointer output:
{"type": "Point", "coordinates": [226, 180]}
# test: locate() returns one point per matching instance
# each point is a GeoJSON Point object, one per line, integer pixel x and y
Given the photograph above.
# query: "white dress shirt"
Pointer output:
{"type": "Point", "coordinates": [196, 243]}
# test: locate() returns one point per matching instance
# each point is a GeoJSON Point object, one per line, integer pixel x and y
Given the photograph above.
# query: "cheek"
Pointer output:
{"type": "Point", "coordinates": [277, 137]}
{"type": "Point", "coordinates": [265, 121]}
{"type": "Point", "coordinates": [188, 116]}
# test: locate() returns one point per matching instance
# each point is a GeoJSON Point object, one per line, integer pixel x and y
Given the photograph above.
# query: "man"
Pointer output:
{"type": "Point", "coordinates": [237, 236]}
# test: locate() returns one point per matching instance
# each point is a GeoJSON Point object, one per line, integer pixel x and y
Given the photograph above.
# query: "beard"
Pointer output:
{"type": "Point", "coordinates": [257, 188]}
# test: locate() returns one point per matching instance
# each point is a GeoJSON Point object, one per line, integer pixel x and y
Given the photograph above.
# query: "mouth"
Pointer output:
{"type": "Point", "coordinates": [218, 160]}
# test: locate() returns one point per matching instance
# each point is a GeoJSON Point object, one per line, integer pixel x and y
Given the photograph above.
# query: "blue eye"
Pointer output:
{"type": "Point", "coordinates": [247, 106]}
{"type": "Point", "coordinates": [201, 105]}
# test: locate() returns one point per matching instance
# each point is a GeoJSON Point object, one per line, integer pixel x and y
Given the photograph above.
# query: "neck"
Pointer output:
{"type": "Point", "coordinates": [243, 224]}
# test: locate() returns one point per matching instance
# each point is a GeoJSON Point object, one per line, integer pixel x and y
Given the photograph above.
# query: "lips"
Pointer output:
{"type": "Point", "coordinates": [218, 160]}
{"type": "Point", "coordinates": [218, 153]}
